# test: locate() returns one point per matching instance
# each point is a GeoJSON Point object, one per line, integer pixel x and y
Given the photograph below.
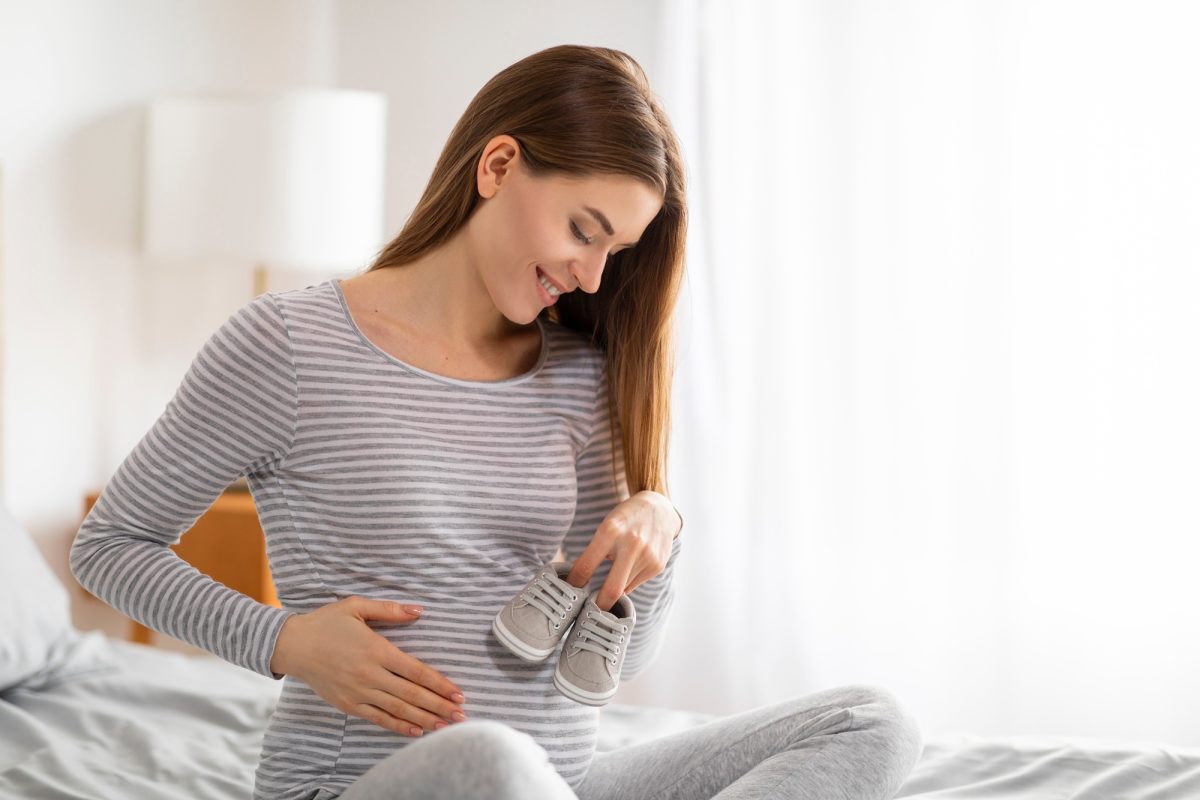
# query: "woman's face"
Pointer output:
{"type": "Point", "coordinates": [526, 227]}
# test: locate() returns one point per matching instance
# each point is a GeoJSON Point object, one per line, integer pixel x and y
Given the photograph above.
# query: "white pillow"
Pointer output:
{"type": "Point", "coordinates": [35, 608]}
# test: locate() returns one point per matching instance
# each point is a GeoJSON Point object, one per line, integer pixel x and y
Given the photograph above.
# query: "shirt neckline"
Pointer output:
{"type": "Point", "coordinates": [543, 354]}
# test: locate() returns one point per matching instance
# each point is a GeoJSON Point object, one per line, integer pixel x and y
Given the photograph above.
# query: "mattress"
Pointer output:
{"type": "Point", "coordinates": [123, 720]}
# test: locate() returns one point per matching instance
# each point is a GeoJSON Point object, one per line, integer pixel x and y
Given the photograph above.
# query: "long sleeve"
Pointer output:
{"type": "Point", "coordinates": [597, 496]}
{"type": "Point", "coordinates": [233, 414]}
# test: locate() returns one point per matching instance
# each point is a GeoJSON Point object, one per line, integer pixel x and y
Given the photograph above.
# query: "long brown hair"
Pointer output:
{"type": "Point", "coordinates": [579, 111]}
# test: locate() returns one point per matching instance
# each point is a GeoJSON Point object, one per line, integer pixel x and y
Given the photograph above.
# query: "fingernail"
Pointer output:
{"type": "Point", "coordinates": [437, 726]}
{"type": "Point", "coordinates": [458, 697]}
{"type": "Point", "coordinates": [417, 731]}
{"type": "Point", "coordinates": [458, 716]}
{"type": "Point", "coordinates": [412, 609]}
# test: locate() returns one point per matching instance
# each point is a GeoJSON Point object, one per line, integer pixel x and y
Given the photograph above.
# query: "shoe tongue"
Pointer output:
{"type": "Point", "coordinates": [616, 612]}
{"type": "Point", "coordinates": [561, 582]}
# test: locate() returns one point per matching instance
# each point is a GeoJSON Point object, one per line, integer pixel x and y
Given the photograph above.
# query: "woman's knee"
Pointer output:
{"type": "Point", "coordinates": [484, 737]}
{"type": "Point", "coordinates": [504, 754]}
{"type": "Point", "coordinates": [878, 708]}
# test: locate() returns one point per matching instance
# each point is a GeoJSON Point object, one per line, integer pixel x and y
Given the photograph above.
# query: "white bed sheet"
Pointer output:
{"type": "Point", "coordinates": [972, 767]}
{"type": "Point", "coordinates": [128, 721]}
{"type": "Point", "coordinates": [122, 721]}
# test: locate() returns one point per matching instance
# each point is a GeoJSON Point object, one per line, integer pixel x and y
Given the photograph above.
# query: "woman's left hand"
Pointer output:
{"type": "Point", "coordinates": [637, 536]}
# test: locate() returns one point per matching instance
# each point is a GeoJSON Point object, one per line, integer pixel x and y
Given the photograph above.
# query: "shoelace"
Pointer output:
{"type": "Point", "coordinates": [600, 636]}
{"type": "Point", "coordinates": [549, 598]}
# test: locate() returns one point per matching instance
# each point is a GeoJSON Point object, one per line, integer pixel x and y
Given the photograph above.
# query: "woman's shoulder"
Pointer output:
{"type": "Point", "coordinates": [319, 291]}
{"type": "Point", "coordinates": [267, 325]}
{"type": "Point", "coordinates": [318, 303]}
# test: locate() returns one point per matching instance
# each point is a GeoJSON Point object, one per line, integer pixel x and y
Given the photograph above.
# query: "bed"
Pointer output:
{"type": "Point", "coordinates": [87, 716]}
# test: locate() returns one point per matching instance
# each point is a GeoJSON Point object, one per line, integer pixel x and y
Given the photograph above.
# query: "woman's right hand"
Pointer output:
{"type": "Point", "coordinates": [360, 672]}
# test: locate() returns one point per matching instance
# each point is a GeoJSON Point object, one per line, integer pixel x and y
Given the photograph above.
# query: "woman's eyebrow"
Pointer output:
{"type": "Point", "coordinates": [604, 223]}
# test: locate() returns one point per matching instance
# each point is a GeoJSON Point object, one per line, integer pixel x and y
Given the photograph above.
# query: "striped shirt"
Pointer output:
{"type": "Point", "coordinates": [374, 478]}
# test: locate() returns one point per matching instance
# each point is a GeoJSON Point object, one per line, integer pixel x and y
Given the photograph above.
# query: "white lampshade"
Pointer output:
{"type": "Point", "coordinates": [292, 180]}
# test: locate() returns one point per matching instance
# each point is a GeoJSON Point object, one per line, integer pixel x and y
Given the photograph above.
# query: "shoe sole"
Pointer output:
{"type": "Point", "coordinates": [581, 695]}
{"type": "Point", "coordinates": [518, 647]}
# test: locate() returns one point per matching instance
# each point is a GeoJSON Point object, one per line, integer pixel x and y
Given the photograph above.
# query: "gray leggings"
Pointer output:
{"type": "Point", "coordinates": [848, 743]}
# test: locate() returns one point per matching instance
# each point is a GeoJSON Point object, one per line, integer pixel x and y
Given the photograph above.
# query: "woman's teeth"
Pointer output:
{"type": "Point", "coordinates": [549, 287]}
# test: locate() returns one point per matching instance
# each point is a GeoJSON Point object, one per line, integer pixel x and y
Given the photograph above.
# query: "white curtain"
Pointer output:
{"type": "Point", "coordinates": [936, 413]}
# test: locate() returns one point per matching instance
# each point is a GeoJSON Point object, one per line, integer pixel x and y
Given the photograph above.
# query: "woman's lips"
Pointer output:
{"type": "Point", "coordinates": [546, 298]}
{"type": "Point", "coordinates": [545, 295]}
{"type": "Point", "coordinates": [562, 289]}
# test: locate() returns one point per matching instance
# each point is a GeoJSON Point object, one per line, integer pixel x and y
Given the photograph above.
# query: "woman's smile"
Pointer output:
{"type": "Point", "coordinates": [548, 291]}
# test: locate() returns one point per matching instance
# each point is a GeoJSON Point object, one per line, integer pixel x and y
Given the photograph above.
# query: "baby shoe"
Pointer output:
{"type": "Point", "coordinates": [589, 666]}
{"type": "Point", "coordinates": [533, 623]}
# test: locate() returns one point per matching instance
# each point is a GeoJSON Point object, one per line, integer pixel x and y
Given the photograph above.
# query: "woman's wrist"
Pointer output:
{"type": "Point", "coordinates": [280, 657]}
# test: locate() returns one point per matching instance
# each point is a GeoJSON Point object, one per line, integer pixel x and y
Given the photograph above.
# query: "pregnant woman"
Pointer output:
{"type": "Point", "coordinates": [422, 438]}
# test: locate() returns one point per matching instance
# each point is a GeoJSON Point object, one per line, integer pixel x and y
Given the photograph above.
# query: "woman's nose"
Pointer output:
{"type": "Point", "coordinates": [588, 273]}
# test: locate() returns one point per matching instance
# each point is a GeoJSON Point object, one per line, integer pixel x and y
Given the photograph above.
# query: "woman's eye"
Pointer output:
{"type": "Point", "coordinates": [579, 234]}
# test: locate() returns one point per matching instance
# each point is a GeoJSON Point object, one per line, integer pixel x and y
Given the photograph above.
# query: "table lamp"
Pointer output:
{"type": "Point", "coordinates": [292, 180]}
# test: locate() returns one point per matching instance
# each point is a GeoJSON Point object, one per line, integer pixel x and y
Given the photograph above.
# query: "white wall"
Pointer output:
{"type": "Point", "coordinates": [94, 343]}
